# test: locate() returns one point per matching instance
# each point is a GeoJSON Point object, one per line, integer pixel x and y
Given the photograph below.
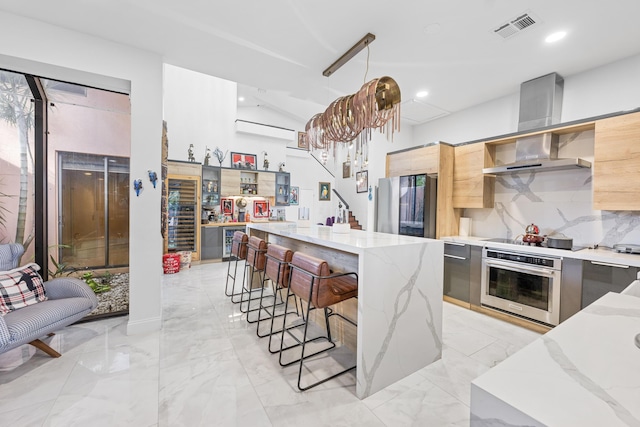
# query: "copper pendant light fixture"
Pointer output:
{"type": "Point", "coordinates": [375, 106]}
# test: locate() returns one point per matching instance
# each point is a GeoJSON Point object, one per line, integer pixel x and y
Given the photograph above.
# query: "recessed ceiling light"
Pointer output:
{"type": "Point", "coordinates": [241, 98]}
{"type": "Point", "coordinates": [555, 37]}
{"type": "Point", "coordinates": [422, 94]}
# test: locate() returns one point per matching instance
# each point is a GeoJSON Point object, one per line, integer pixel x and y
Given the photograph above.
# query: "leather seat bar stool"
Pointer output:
{"type": "Point", "coordinates": [238, 253]}
{"type": "Point", "coordinates": [277, 271]}
{"type": "Point", "coordinates": [255, 263]}
{"type": "Point", "coordinates": [312, 281]}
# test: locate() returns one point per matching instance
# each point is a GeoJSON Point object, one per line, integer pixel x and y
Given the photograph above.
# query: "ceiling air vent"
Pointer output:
{"type": "Point", "coordinates": [515, 25]}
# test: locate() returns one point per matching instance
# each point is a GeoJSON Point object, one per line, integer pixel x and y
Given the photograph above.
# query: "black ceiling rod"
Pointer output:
{"type": "Point", "coordinates": [41, 240]}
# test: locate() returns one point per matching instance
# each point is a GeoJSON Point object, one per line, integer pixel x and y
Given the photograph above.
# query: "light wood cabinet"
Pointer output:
{"type": "Point", "coordinates": [616, 166]}
{"type": "Point", "coordinates": [414, 161]}
{"type": "Point", "coordinates": [432, 159]}
{"type": "Point", "coordinates": [472, 188]}
{"type": "Point", "coordinates": [266, 184]}
{"type": "Point", "coordinates": [229, 182]}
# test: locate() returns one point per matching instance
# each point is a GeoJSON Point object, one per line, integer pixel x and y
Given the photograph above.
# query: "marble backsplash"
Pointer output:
{"type": "Point", "coordinates": [556, 201]}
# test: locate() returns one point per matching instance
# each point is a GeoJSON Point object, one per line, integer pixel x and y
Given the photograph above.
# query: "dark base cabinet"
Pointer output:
{"type": "Point", "coordinates": [457, 271]}
{"type": "Point", "coordinates": [211, 245]}
{"type": "Point", "coordinates": [601, 278]}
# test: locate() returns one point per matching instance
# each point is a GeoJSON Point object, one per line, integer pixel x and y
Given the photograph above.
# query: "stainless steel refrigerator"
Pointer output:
{"type": "Point", "coordinates": [407, 205]}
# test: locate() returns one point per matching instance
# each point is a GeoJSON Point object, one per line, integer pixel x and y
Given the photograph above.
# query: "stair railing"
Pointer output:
{"type": "Point", "coordinates": [346, 205]}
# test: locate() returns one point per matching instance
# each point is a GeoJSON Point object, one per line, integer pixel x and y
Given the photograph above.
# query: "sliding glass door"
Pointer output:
{"type": "Point", "coordinates": [93, 194]}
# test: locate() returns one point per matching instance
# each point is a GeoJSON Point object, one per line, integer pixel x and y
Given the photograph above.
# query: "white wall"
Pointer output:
{"type": "Point", "coordinates": [47, 50]}
{"type": "Point", "coordinates": [607, 89]}
{"type": "Point", "coordinates": [199, 110]}
{"type": "Point", "coordinates": [557, 201]}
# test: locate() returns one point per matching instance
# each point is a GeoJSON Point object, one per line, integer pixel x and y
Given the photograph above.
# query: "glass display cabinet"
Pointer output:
{"type": "Point", "coordinates": [210, 188]}
{"type": "Point", "coordinates": [282, 188]}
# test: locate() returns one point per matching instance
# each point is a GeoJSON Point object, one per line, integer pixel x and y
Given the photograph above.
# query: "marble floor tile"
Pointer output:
{"type": "Point", "coordinates": [454, 373]}
{"type": "Point", "coordinates": [458, 335]}
{"type": "Point", "coordinates": [207, 367]}
{"type": "Point", "coordinates": [424, 405]}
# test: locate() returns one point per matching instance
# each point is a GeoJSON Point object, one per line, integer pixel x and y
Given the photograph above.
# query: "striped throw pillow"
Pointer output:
{"type": "Point", "coordinates": [20, 287]}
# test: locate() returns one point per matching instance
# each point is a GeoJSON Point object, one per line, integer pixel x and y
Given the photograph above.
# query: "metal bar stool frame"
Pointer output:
{"type": "Point", "coordinates": [253, 252]}
{"type": "Point", "coordinates": [328, 312]}
{"type": "Point", "coordinates": [238, 253]}
{"type": "Point", "coordinates": [279, 284]}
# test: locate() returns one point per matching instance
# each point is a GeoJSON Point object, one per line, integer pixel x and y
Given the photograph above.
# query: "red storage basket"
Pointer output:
{"type": "Point", "coordinates": [171, 263]}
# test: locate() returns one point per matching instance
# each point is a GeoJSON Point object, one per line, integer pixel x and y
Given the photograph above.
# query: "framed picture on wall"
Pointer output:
{"type": "Point", "coordinates": [226, 206]}
{"type": "Point", "coordinates": [261, 209]}
{"type": "Point", "coordinates": [324, 191]}
{"type": "Point", "coordinates": [302, 141]}
{"type": "Point", "coordinates": [362, 181]}
{"type": "Point", "coordinates": [346, 169]}
{"type": "Point", "coordinates": [243, 161]}
{"type": "Point", "coordinates": [294, 195]}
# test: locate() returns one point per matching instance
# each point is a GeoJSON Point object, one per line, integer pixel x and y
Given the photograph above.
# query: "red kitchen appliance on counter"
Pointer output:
{"type": "Point", "coordinates": [532, 235]}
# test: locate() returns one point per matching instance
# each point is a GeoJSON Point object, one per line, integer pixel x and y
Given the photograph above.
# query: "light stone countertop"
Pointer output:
{"type": "Point", "coordinates": [354, 241]}
{"type": "Point", "coordinates": [584, 372]}
{"type": "Point", "coordinates": [598, 255]}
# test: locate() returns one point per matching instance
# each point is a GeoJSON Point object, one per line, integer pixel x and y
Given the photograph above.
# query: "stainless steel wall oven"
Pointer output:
{"type": "Point", "coordinates": [521, 283]}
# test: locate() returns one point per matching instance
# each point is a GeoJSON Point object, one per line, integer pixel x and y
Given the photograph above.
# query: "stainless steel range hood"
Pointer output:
{"type": "Point", "coordinates": [540, 106]}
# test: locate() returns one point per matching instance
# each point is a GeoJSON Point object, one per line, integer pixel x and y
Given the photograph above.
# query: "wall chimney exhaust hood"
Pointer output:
{"type": "Point", "coordinates": [540, 106]}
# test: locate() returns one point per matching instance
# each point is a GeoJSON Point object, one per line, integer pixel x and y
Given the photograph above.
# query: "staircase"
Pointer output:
{"type": "Point", "coordinates": [353, 222]}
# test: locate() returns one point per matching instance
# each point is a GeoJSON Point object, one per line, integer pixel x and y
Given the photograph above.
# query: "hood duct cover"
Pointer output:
{"type": "Point", "coordinates": [540, 106]}
{"type": "Point", "coordinates": [540, 102]}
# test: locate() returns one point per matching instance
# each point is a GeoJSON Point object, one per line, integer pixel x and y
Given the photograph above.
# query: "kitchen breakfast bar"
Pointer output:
{"type": "Point", "coordinates": [399, 295]}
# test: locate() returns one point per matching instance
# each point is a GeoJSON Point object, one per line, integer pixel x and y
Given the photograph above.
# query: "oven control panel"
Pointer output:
{"type": "Point", "coordinates": [522, 258]}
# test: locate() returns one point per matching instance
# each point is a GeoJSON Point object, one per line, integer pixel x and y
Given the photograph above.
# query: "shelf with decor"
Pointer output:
{"type": "Point", "coordinates": [249, 183]}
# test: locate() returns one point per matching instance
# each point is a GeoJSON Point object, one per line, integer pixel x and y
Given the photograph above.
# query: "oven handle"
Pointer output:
{"type": "Point", "coordinates": [519, 268]}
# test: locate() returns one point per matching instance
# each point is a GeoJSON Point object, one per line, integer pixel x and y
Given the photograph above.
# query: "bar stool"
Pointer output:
{"type": "Point", "coordinates": [238, 253]}
{"type": "Point", "coordinates": [277, 271]}
{"type": "Point", "coordinates": [311, 280]}
{"type": "Point", "coordinates": [255, 262]}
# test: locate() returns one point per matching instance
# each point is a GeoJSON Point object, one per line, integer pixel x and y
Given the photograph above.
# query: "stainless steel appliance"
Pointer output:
{"type": "Point", "coordinates": [521, 283]}
{"type": "Point", "coordinates": [407, 205]}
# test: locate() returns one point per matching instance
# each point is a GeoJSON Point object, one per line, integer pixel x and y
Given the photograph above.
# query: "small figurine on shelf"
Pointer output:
{"type": "Point", "coordinates": [265, 164]}
{"type": "Point", "coordinates": [153, 177]}
{"type": "Point", "coordinates": [220, 155]}
{"type": "Point", "coordinates": [137, 186]}
{"type": "Point", "coordinates": [207, 156]}
{"type": "Point", "coordinates": [190, 153]}
{"type": "Point", "coordinates": [281, 167]}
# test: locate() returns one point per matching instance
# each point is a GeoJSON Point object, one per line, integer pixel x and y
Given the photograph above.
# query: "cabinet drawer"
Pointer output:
{"type": "Point", "coordinates": [598, 279]}
{"type": "Point", "coordinates": [457, 250]}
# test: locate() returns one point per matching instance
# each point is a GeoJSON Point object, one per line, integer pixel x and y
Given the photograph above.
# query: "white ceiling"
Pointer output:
{"type": "Point", "coordinates": [278, 49]}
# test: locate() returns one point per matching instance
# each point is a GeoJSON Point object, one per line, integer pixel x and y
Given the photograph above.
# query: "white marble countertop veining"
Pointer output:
{"type": "Point", "coordinates": [599, 255]}
{"type": "Point", "coordinates": [585, 372]}
{"type": "Point", "coordinates": [354, 241]}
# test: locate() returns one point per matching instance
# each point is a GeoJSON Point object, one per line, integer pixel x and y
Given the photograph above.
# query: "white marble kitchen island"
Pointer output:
{"type": "Point", "coordinates": [585, 372]}
{"type": "Point", "coordinates": [399, 295]}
